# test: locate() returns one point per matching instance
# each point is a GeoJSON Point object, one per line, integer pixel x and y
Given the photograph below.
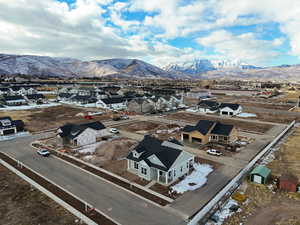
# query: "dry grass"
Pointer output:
{"type": "Point", "coordinates": [288, 157]}
{"type": "Point", "coordinates": [52, 117]}
{"type": "Point", "coordinates": [266, 208]}
{"type": "Point", "coordinates": [22, 205]}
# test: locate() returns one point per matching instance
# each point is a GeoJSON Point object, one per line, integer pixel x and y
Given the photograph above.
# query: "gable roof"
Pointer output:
{"type": "Point", "coordinates": [222, 129]}
{"type": "Point", "coordinates": [150, 146]}
{"type": "Point", "coordinates": [230, 105]}
{"type": "Point", "coordinates": [73, 130]}
{"type": "Point", "coordinates": [203, 126]}
{"type": "Point", "coordinates": [13, 98]}
{"type": "Point", "coordinates": [209, 104]}
{"type": "Point", "coordinates": [35, 96]}
{"type": "Point", "coordinates": [113, 100]}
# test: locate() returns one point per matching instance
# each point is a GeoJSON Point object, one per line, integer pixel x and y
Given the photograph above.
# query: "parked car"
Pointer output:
{"type": "Point", "coordinates": [214, 218]}
{"type": "Point", "coordinates": [234, 208]}
{"type": "Point", "coordinates": [43, 152]}
{"type": "Point", "coordinates": [125, 117]}
{"type": "Point", "coordinates": [213, 152]}
{"type": "Point", "coordinates": [114, 130]}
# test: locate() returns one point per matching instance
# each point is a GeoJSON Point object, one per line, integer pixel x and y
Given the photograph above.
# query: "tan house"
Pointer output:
{"type": "Point", "coordinates": [206, 131]}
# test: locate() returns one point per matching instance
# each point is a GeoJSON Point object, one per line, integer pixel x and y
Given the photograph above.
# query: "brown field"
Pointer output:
{"type": "Point", "coordinates": [243, 125]}
{"type": "Point", "coordinates": [268, 106]}
{"type": "Point", "coordinates": [22, 205]}
{"type": "Point", "coordinates": [52, 117]}
{"type": "Point", "coordinates": [267, 208]}
{"type": "Point", "coordinates": [288, 156]}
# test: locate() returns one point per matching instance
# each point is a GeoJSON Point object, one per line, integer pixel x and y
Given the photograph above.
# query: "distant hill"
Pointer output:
{"type": "Point", "coordinates": [67, 67]}
{"type": "Point", "coordinates": [137, 69]}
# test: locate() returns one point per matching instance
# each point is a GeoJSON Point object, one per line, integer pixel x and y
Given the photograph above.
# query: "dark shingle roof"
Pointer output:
{"type": "Point", "coordinates": [65, 95]}
{"type": "Point", "coordinates": [35, 96]}
{"type": "Point", "coordinates": [113, 100]}
{"type": "Point", "coordinates": [230, 105]}
{"type": "Point", "coordinates": [73, 130]}
{"type": "Point", "coordinates": [13, 98]}
{"type": "Point", "coordinates": [151, 146]}
{"type": "Point", "coordinates": [209, 104]}
{"type": "Point", "coordinates": [203, 126]}
{"type": "Point", "coordinates": [222, 129]}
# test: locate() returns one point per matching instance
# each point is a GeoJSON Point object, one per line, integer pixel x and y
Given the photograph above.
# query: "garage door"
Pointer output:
{"type": "Point", "coordinates": [224, 113]}
{"type": "Point", "coordinates": [198, 140]}
{"type": "Point", "coordinates": [257, 179]}
{"type": "Point", "coordinates": [185, 136]}
{"type": "Point", "coordinates": [10, 131]}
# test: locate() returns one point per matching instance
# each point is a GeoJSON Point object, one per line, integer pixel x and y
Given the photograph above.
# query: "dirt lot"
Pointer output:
{"type": "Point", "coordinates": [267, 106]}
{"type": "Point", "coordinates": [161, 131]}
{"type": "Point", "coordinates": [21, 205]}
{"type": "Point", "coordinates": [267, 208]}
{"type": "Point", "coordinates": [243, 125]}
{"type": "Point", "coordinates": [52, 117]}
{"type": "Point", "coordinates": [288, 156]}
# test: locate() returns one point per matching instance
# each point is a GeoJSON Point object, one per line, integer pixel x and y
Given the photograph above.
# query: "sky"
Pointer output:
{"type": "Point", "coordinates": [258, 32]}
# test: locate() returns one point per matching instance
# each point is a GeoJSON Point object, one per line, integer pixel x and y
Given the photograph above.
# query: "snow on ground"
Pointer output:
{"type": "Point", "coordinates": [246, 115]}
{"type": "Point", "coordinates": [11, 137]}
{"type": "Point", "coordinates": [26, 107]}
{"type": "Point", "coordinates": [191, 110]}
{"type": "Point", "coordinates": [195, 180]}
{"type": "Point", "coordinates": [224, 213]}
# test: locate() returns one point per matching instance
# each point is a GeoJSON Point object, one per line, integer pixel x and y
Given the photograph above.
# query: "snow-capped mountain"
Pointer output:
{"type": "Point", "coordinates": [67, 67]}
{"type": "Point", "coordinates": [199, 66]}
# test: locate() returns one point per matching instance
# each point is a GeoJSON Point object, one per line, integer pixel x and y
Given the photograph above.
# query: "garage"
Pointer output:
{"type": "Point", "coordinates": [257, 179]}
{"type": "Point", "coordinates": [224, 113]}
{"type": "Point", "coordinates": [9, 131]}
{"type": "Point", "coordinates": [196, 140]}
{"type": "Point", "coordinates": [185, 137]}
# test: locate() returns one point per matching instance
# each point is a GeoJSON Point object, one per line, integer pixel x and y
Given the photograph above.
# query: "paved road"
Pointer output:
{"type": "Point", "coordinates": [120, 205]}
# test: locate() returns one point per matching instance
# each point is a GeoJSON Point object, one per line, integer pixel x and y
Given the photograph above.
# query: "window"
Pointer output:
{"type": "Point", "coordinates": [144, 171]}
{"type": "Point", "coordinates": [174, 173]}
{"type": "Point", "coordinates": [160, 173]}
{"type": "Point", "coordinates": [170, 173]}
{"type": "Point", "coordinates": [136, 165]}
{"type": "Point", "coordinates": [181, 169]}
{"type": "Point", "coordinates": [225, 138]}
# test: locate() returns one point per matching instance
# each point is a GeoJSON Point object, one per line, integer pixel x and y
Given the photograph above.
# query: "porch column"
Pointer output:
{"type": "Point", "coordinates": [128, 164]}
{"type": "Point", "coordinates": [167, 173]}
{"type": "Point", "coordinates": [157, 175]}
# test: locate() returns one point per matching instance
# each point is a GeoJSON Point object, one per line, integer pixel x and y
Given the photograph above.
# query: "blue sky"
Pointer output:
{"type": "Point", "coordinates": [259, 32]}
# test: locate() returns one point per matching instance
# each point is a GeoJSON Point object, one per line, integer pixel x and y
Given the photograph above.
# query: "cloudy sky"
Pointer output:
{"type": "Point", "coordinates": [260, 32]}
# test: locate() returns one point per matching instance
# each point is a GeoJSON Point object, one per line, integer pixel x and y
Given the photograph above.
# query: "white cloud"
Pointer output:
{"type": "Point", "coordinates": [245, 46]}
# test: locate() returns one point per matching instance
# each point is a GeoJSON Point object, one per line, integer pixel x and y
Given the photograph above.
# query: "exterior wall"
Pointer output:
{"type": "Point", "coordinates": [86, 137]}
{"type": "Point", "coordinates": [196, 134]}
{"type": "Point", "coordinates": [229, 110]}
{"type": "Point", "coordinates": [233, 135]}
{"type": "Point", "coordinates": [4, 129]}
{"type": "Point", "coordinates": [287, 186]}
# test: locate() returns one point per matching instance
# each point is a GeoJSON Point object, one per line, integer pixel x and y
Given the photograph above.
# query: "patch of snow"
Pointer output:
{"type": "Point", "coordinates": [27, 107]}
{"type": "Point", "coordinates": [198, 178]}
{"type": "Point", "coordinates": [246, 115]}
{"type": "Point", "coordinates": [13, 136]}
{"type": "Point", "coordinates": [224, 212]}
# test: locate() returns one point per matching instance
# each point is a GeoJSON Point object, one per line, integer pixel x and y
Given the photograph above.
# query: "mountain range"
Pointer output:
{"type": "Point", "coordinates": [137, 69]}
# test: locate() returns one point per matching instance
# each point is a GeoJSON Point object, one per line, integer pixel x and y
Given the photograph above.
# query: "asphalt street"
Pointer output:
{"type": "Point", "coordinates": [122, 206]}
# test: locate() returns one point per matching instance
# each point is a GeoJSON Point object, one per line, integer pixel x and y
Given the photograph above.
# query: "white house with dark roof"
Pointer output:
{"type": "Point", "coordinates": [9, 126]}
{"type": "Point", "coordinates": [162, 161]}
{"type": "Point", "coordinates": [14, 100]}
{"type": "Point", "coordinates": [82, 134]}
{"type": "Point", "coordinates": [229, 109]}
{"type": "Point", "coordinates": [206, 106]}
{"type": "Point", "coordinates": [112, 103]}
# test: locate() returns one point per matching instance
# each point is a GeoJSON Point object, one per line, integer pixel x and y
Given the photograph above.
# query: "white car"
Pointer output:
{"type": "Point", "coordinates": [114, 131]}
{"type": "Point", "coordinates": [43, 152]}
{"type": "Point", "coordinates": [213, 152]}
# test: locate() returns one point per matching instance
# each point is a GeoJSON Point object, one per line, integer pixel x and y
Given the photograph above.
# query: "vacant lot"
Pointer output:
{"type": "Point", "coordinates": [265, 207]}
{"type": "Point", "coordinates": [288, 156]}
{"type": "Point", "coordinates": [267, 105]}
{"type": "Point", "coordinates": [243, 125]}
{"type": "Point", "coordinates": [52, 117]}
{"type": "Point", "coordinates": [22, 205]}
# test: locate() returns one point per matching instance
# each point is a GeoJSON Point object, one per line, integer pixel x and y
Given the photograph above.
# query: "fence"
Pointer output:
{"type": "Point", "coordinates": [233, 183]}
